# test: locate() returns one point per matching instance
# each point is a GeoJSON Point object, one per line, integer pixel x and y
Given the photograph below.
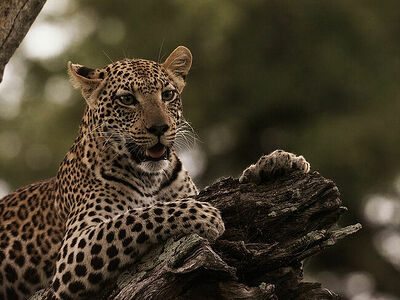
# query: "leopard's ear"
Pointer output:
{"type": "Point", "coordinates": [89, 81]}
{"type": "Point", "coordinates": [178, 65]}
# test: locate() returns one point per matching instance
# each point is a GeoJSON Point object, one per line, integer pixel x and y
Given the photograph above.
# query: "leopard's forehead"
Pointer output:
{"type": "Point", "coordinates": [145, 75]}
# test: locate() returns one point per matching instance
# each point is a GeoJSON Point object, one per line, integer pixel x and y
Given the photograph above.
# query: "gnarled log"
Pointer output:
{"type": "Point", "coordinates": [270, 229]}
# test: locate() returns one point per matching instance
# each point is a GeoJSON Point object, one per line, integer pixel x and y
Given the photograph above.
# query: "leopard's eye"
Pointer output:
{"type": "Point", "coordinates": [127, 99]}
{"type": "Point", "coordinates": [168, 95]}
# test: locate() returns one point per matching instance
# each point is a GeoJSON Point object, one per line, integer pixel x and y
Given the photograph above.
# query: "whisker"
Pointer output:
{"type": "Point", "coordinates": [106, 142]}
{"type": "Point", "coordinates": [106, 55]}
{"type": "Point", "coordinates": [159, 51]}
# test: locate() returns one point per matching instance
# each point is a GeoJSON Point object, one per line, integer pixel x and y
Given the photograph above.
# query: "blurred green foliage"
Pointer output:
{"type": "Point", "coordinates": [318, 78]}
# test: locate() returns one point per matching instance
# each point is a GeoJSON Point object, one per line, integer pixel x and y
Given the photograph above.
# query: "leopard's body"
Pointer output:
{"type": "Point", "coordinates": [119, 189]}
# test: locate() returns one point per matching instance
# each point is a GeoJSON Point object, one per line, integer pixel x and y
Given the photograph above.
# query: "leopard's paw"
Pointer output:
{"type": "Point", "coordinates": [274, 164]}
{"type": "Point", "coordinates": [204, 219]}
{"type": "Point", "coordinates": [213, 224]}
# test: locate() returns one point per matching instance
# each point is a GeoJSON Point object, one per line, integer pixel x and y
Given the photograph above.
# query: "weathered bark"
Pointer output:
{"type": "Point", "coordinates": [16, 17]}
{"type": "Point", "coordinates": [270, 229]}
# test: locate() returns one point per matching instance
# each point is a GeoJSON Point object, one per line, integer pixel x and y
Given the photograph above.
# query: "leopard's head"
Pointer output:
{"type": "Point", "coordinates": [134, 106]}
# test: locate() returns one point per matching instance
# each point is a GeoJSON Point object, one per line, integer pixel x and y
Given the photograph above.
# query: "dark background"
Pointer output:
{"type": "Point", "coordinates": [317, 78]}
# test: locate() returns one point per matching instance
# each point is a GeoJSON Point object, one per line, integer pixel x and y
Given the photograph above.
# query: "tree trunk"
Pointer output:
{"type": "Point", "coordinates": [270, 229]}
{"type": "Point", "coordinates": [16, 17]}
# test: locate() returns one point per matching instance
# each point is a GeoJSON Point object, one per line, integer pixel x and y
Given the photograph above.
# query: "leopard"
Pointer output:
{"type": "Point", "coordinates": [120, 189]}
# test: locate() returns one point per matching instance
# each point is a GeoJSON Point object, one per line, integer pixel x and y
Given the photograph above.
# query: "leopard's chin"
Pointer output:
{"type": "Point", "coordinates": [154, 166]}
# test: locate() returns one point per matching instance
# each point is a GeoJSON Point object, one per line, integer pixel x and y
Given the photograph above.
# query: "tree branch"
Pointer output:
{"type": "Point", "coordinates": [16, 18]}
{"type": "Point", "coordinates": [270, 229]}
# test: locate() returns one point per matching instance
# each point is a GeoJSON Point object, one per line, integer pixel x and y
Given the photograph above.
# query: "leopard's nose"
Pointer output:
{"type": "Point", "coordinates": [158, 130]}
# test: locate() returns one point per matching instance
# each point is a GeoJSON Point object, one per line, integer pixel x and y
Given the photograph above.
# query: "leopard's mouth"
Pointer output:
{"type": "Point", "coordinates": [156, 153]}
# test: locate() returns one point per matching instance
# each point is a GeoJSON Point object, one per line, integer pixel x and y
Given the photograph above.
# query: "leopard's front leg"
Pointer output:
{"type": "Point", "coordinates": [276, 163]}
{"type": "Point", "coordinates": [91, 255]}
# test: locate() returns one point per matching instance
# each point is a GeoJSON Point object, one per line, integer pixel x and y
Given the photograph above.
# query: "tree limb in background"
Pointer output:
{"type": "Point", "coordinates": [270, 229]}
{"type": "Point", "coordinates": [16, 17]}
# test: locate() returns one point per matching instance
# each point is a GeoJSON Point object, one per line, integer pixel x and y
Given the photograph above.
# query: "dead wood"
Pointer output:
{"type": "Point", "coordinates": [270, 229]}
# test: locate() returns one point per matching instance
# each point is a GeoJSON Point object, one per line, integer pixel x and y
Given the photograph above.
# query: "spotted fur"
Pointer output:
{"type": "Point", "coordinates": [119, 189]}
